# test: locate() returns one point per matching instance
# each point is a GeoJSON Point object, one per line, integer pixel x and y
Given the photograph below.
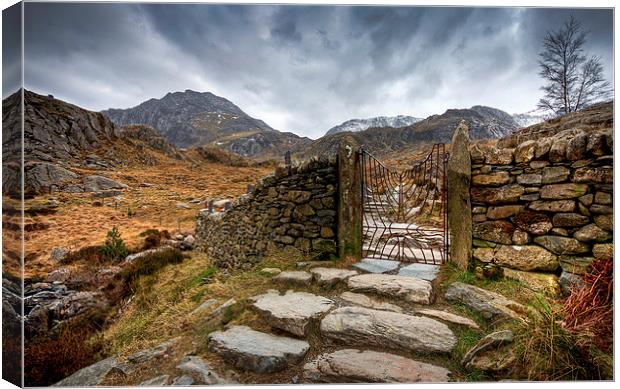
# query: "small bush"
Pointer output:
{"type": "Point", "coordinates": [150, 263]}
{"type": "Point", "coordinates": [91, 254]}
{"type": "Point", "coordinates": [114, 247]}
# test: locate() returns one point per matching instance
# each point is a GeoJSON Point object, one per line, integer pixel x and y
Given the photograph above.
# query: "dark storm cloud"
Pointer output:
{"type": "Point", "coordinates": [299, 68]}
{"type": "Point", "coordinates": [11, 50]}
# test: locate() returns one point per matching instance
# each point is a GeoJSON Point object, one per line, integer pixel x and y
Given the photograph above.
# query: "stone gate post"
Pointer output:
{"type": "Point", "coordinates": [459, 202]}
{"type": "Point", "coordinates": [349, 200]}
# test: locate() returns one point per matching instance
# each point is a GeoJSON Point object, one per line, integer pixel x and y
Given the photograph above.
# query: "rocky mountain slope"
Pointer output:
{"type": "Point", "coordinates": [484, 123]}
{"type": "Point", "coordinates": [357, 125]}
{"type": "Point", "coordinates": [61, 138]}
{"type": "Point", "coordinates": [194, 119]}
{"type": "Point", "coordinates": [528, 118]}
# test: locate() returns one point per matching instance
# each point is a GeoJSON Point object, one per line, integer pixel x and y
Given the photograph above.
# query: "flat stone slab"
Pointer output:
{"type": "Point", "coordinates": [420, 270]}
{"type": "Point", "coordinates": [156, 381]}
{"type": "Point", "coordinates": [357, 326]}
{"type": "Point", "coordinates": [368, 302]}
{"type": "Point", "coordinates": [328, 276]}
{"type": "Point", "coordinates": [376, 266]}
{"type": "Point", "coordinates": [294, 277]}
{"type": "Point", "coordinates": [409, 289]}
{"type": "Point", "coordinates": [355, 366]}
{"type": "Point", "coordinates": [489, 304]}
{"type": "Point", "coordinates": [256, 351]}
{"type": "Point", "coordinates": [292, 311]}
{"type": "Point", "coordinates": [449, 317]}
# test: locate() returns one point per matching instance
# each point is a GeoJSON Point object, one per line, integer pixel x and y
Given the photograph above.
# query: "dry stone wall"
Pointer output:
{"type": "Point", "coordinates": [543, 210]}
{"type": "Point", "coordinates": [295, 206]}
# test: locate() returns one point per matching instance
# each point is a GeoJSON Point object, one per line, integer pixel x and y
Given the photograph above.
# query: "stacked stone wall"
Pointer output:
{"type": "Point", "coordinates": [544, 209]}
{"type": "Point", "coordinates": [295, 207]}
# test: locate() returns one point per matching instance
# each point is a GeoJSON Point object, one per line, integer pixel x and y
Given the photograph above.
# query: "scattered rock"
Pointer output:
{"type": "Point", "coordinates": [326, 276]}
{"type": "Point", "coordinates": [59, 275]}
{"type": "Point", "coordinates": [368, 327]}
{"type": "Point", "coordinates": [199, 368]}
{"type": "Point", "coordinates": [294, 277]}
{"type": "Point", "coordinates": [183, 380]}
{"type": "Point", "coordinates": [405, 288]}
{"type": "Point", "coordinates": [157, 381]}
{"type": "Point", "coordinates": [105, 194]}
{"type": "Point", "coordinates": [100, 183]}
{"type": "Point", "coordinates": [355, 366]}
{"type": "Point", "coordinates": [256, 351]}
{"type": "Point", "coordinates": [292, 311]}
{"type": "Point", "coordinates": [204, 307]}
{"type": "Point", "coordinates": [489, 304]}
{"type": "Point", "coordinates": [152, 353]}
{"type": "Point", "coordinates": [493, 340]}
{"type": "Point", "coordinates": [58, 254]}
{"type": "Point", "coordinates": [368, 302]}
{"type": "Point", "coordinates": [270, 271]}
{"type": "Point", "coordinates": [91, 375]}
{"type": "Point", "coordinates": [449, 317]}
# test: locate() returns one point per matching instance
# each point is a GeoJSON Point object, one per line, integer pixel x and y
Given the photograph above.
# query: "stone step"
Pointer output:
{"type": "Point", "coordinates": [256, 351]}
{"type": "Point", "coordinates": [363, 327]}
{"type": "Point", "coordinates": [405, 288]}
{"type": "Point", "coordinates": [423, 271]}
{"type": "Point", "coordinates": [355, 366]}
{"type": "Point", "coordinates": [301, 278]}
{"type": "Point", "coordinates": [377, 266]}
{"type": "Point", "coordinates": [293, 311]}
{"type": "Point", "coordinates": [327, 276]}
{"type": "Point", "coordinates": [368, 302]}
{"type": "Point", "coordinates": [449, 317]}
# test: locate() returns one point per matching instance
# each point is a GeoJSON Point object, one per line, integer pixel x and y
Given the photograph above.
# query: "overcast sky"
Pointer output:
{"type": "Point", "coordinates": [299, 68]}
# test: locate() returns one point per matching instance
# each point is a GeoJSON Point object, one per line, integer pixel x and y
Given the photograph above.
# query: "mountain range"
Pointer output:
{"type": "Point", "coordinates": [192, 118]}
{"type": "Point", "coordinates": [357, 125]}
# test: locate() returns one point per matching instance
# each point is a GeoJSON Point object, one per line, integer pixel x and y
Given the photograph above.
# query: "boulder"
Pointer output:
{"type": "Point", "coordinates": [541, 282]}
{"type": "Point", "coordinates": [569, 219]}
{"type": "Point", "coordinates": [401, 287]}
{"type": "Point", "coordinates": [596, 144]}
{"type": "Point", "coordinates": [368, 302]}
{"type": "Point", "coordinates": [494, 179]}
{"type": "Point", "coordinates": [504, 211]}
{"type": "Point", "coordinates": [562, 245]}
{"type": "Point", "coordinates": [43, 176]}
{"type": "Point", "coordinates": [357, 326]}
{"type": "Point", "coordinates": [327, 276]}
{"type": "Point", "coordinates": [603, 250]}
{"type": "Point", "coordinates": [543, 146]}
{"type": "Point", "coordinates": [557, 153]}
{"type": "Point", "coordinates": [256, 351]}
{"type": "Point", "coordinates": [575, 264]}
{"type": "Point", "coordinates": [294, 277]}
{"type": "Point", "coordinates": [563, 191]}
{"type": "Point", "coordinates": [576, 147]}
{"type": "Point", "coordinates": [489, 354]}
{"type": "Point", "coordinates": [555, 174]}
{"type": "Point", "coordinates": [535, 223]}
{"type": "Point", "coordinates": [100, 183]}
{"type": "Point", "coordinates": [526, 151]}
{"type": "Point", "coordinates": [592, 232]}
{"type": "Point", "coordinates": [553, 206]}
{"type": "Point", "coordinates": [526, 258]}
{"type": "Point", "coordinates": [449, 317]}
{"type": "Point", "coordinates": [355, 366]}
{"type": "Point", "coordinates": [498, 231]}
{"type": "Point", "coordinates": [183, 380]}
{"type": "Point", "coordinates": [502, 195]}
{"type": "Point", "coordinates": [489, 304]}
{"type": "Point", "coordinates": [293, 311]}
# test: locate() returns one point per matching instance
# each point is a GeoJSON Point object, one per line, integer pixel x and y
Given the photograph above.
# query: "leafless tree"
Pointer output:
{"type": "Point", "coordinates": [573, 81]}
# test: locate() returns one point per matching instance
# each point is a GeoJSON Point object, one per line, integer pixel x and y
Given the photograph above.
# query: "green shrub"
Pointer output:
{"type": "Point", "coordinates": [114, 248]}
{"type": "Point", "coordinates": [150, 263]}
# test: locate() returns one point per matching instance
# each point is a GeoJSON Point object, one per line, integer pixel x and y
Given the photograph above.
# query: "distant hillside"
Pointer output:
{"type": "Point", "coordinates": [529, 118]}
{"type": "Point", "coordinates": [60, 137]}
{"type": "Point", "coordinates": [192, 118]}
{"type": "Point", "coordinates": [357, 125]}
{"type": "Point", "coordinates": [484, 123]}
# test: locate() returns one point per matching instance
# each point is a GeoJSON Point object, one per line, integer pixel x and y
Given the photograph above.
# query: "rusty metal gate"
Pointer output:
{"type": "Point", "coordinates": [405, 213]}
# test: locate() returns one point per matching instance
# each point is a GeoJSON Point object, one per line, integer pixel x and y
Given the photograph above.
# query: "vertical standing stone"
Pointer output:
{"type": "Point", "coordinates": [459, 202]}
{"type": "Point", "coordinates": [349, 200]}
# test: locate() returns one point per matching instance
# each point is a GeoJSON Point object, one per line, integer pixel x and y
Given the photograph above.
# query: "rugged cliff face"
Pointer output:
{"type": "Point", "coordinates": [194, 119]}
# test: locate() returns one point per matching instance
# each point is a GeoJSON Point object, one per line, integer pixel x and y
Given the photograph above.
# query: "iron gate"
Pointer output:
{"type": "Point", "coordinates": [405, 213]}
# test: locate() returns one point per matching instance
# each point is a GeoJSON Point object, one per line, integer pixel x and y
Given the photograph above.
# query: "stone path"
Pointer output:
{"type": "Point", "coordinates": [381, 328]}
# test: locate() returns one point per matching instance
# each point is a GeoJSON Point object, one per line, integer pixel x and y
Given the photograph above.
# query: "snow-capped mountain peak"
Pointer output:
{"type": "Point", "coordinates": [356, 125]}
